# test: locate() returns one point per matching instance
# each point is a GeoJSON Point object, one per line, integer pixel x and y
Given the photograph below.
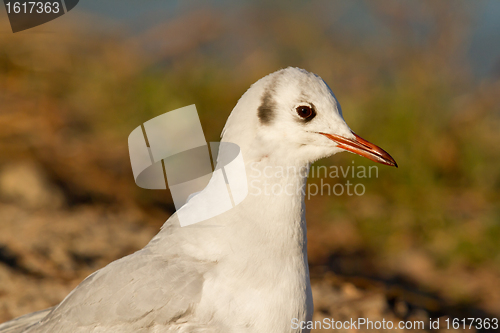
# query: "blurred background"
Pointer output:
{"type": "Point", "coordinates": [419, 78]}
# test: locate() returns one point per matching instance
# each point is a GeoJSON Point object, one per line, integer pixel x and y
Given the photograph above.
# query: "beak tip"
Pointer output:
{"type": "Point", "coordinates": [392, 161]}
{"type": "Point", "coordinates": [363, 148]}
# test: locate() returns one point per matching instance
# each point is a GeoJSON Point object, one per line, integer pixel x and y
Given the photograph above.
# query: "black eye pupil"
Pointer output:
{"type": "Point", "coordinates": [304, 111]}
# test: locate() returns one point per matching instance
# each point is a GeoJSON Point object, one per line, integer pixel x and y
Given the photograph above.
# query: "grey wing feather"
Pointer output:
{"type": "Point", "coordinates": [20, 324]}
{"type": "Point", "coordinates": [137, 290]}
{"type": "Point", "coordinates": [143, 289]}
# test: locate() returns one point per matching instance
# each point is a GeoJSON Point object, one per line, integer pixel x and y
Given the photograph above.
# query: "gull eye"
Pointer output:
{"type": "Point", "coordinates": [306, 112]}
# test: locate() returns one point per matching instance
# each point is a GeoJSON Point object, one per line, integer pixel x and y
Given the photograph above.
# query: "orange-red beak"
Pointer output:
{"type": "Point", "coordinates": [364, 148]}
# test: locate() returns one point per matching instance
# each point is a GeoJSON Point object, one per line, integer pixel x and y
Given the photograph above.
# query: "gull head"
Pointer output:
{"type": "Point", "coordinates": [292, 115]}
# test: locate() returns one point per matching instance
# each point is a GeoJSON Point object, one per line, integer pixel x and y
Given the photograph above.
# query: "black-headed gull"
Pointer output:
{"type": "Point", "coordinates": [249, 274]}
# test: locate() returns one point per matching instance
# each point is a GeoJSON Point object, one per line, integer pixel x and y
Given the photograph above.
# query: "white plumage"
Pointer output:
{"type": "Point", "coordinates": [249, 274]}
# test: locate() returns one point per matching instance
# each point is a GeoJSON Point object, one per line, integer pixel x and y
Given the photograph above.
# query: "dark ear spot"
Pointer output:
{"type": "Point", "coordinates": [267, 107]}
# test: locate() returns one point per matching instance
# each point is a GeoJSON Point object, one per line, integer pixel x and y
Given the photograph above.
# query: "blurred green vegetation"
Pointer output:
{"type": "Point", "coordinates": [70, 99]}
